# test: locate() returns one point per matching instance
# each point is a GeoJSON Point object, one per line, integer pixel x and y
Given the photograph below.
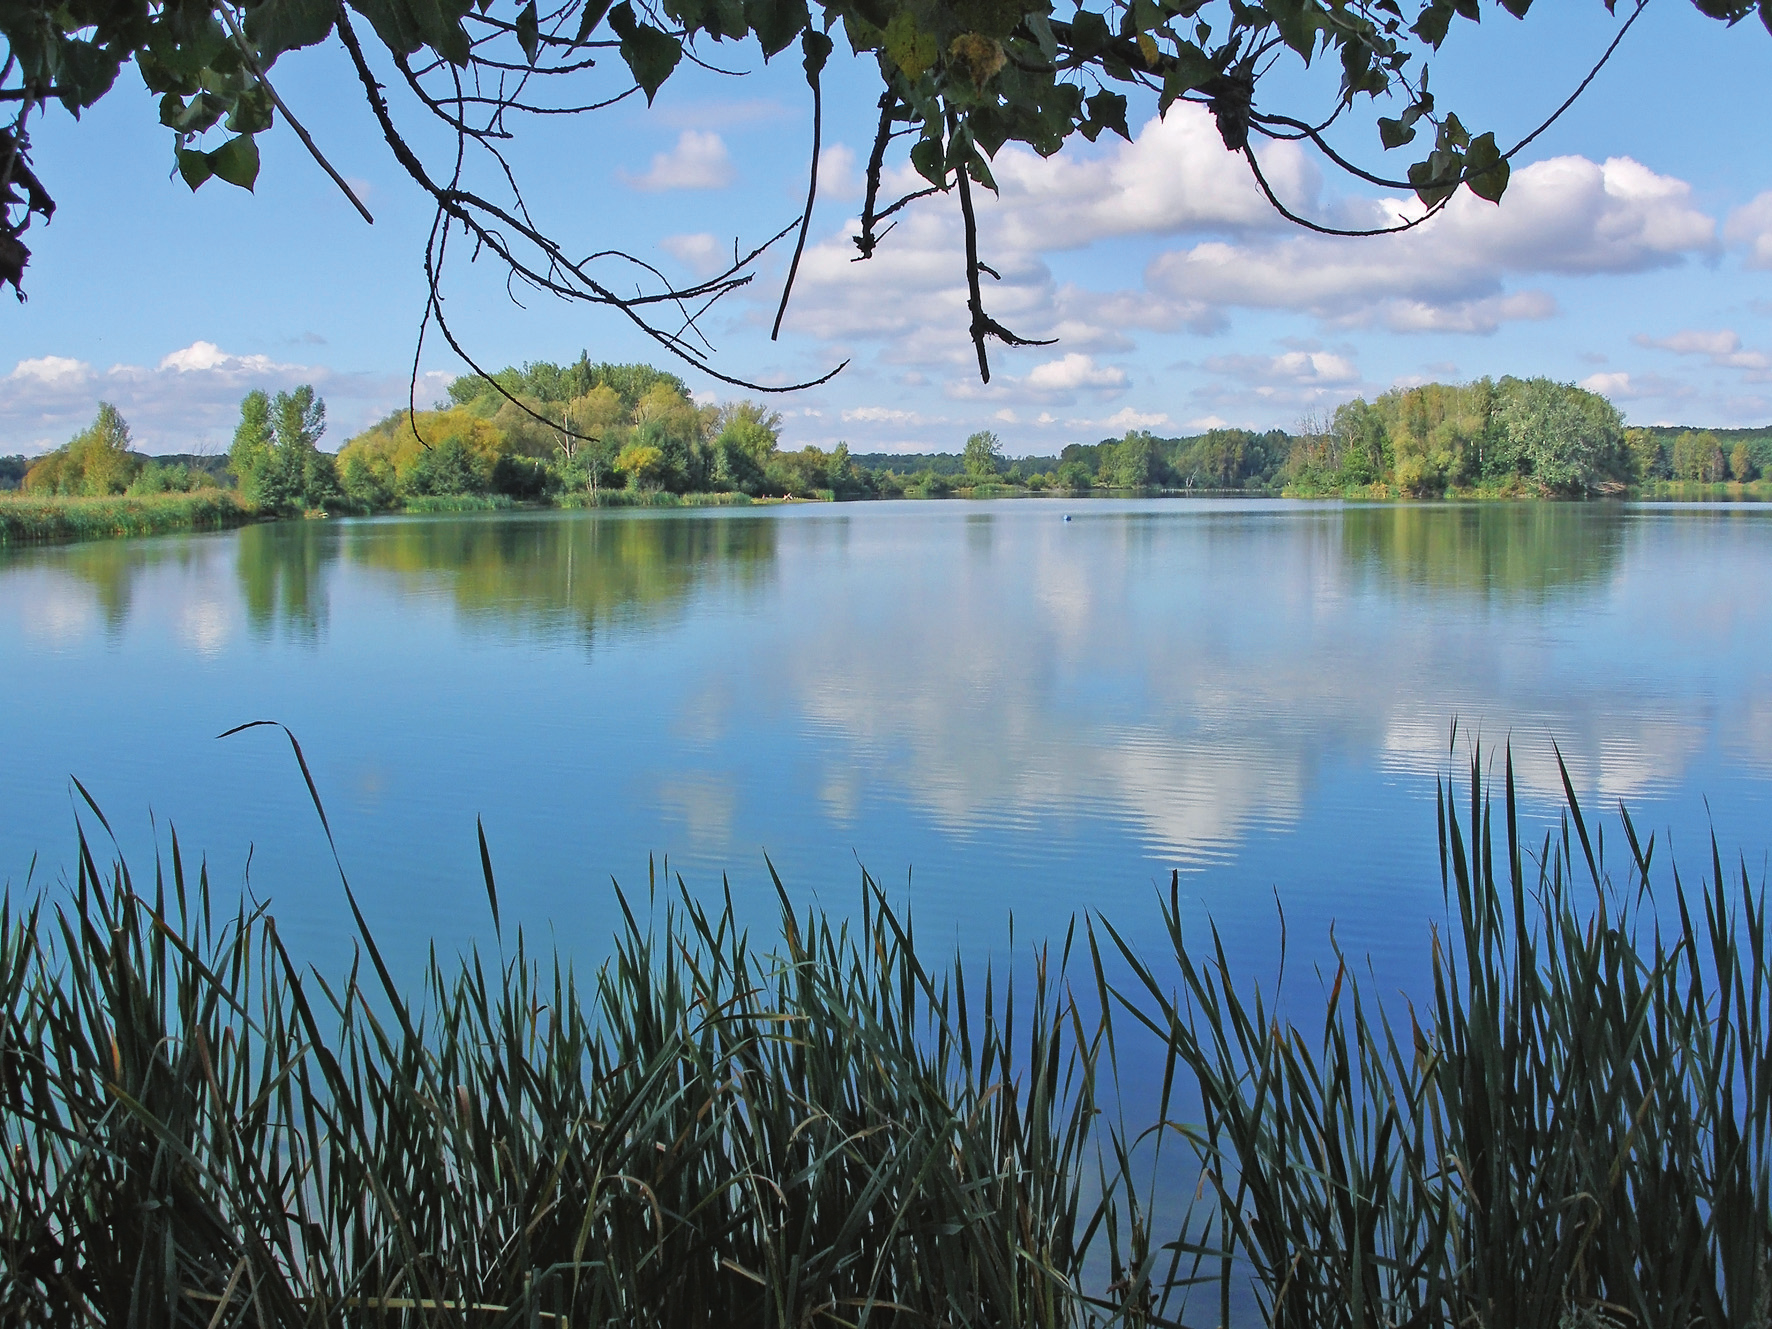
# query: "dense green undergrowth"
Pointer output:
{"type": "Point", "coordinates": [826, 1128]}
{"type": "Point", "coordinates": [28, 518]}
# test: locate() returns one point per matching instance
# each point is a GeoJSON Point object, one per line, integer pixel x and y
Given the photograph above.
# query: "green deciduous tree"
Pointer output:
{"type": "Point", "coordinates": [1649, 458]}
{"type": "Point", "coordinates": [983, 455]}
{"type": "Point", "coordinates": [744, 442]}
{"type": "Point", "coordinates": [1698, 456]}
{"type": "Point", "coordinates": [1566, 440]}
{"type": "Point", "coordinates": [368, 480]}
{"type": "Point", "coordinates": [450, 467]}
{"type": "Point", "coordinates": [1364, 450]}
{"type": "Point", "coordinates": [1074, 477]}
{"type": "Point", "coordinates": [97, 460]}
{"type": "Point", "coordinates": [1134, 462]}
{"type": "Point", "coordinates": [1741, 463]}
{"type": "Point", "coordinates": [275, 457]}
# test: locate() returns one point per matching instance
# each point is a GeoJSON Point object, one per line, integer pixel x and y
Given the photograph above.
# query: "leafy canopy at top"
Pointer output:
{"type": "Point", "coordinates": [958, 79]}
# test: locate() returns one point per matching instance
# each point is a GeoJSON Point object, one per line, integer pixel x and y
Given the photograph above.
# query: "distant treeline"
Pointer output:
{"type": "Point", "coordinates": [575, 433]}
{"type": "Point", "coordinates": [99, 463]}
{"type": "Point", "coordinates": [1507, 435]}
{"type": "Point", "coordinates": [592, 433]}
{"type": "Point", "coordinates": [951, 465]}
{"type": "Point", "coordinates": [13, 469]}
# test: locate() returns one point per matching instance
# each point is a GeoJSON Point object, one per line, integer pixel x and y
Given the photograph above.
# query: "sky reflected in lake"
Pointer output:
{"type": "Point", "coordinates": [994, 709]}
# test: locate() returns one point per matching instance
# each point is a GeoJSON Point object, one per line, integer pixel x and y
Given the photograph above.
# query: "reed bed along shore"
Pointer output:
{"type": "Point", "coordinates": [824, 1127]}
{"type": "Point", "coordinates": [26, 519]}
{"type": "Point", "coordinates": [1701, 491]}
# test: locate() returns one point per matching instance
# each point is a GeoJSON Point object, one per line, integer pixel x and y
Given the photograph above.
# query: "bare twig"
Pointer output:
{"type": "Point", "coordinates": [983, 325]}
{"type": "Point", "coordinates": [558, 274]}
{"type": "Point", "coordinates": [787, 287]}
{"type": "Point", "coordinates": [250, 56]}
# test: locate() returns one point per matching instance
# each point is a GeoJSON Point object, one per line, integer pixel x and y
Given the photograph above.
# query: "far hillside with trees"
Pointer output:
{"type": "Point", "coordinates": [597, 433]}
{"type": "Point", "coordinates": [1501, 438]}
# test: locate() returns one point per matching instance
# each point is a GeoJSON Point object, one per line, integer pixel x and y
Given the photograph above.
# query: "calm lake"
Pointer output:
{"type": "Point", "coordinates": [996, 710]}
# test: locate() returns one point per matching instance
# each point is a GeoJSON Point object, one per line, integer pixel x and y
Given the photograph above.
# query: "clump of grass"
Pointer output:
{"type": "Point", "coordinates": [710, 1133]}
{"type": "Point", "coordinates": [459, 503]}
{"type": "Point", "coordinates": [649, 498]}
{"type": "Point", "coordinates": [26, 518]}
{"type": "Point", "coordinates": [1573, 1127]}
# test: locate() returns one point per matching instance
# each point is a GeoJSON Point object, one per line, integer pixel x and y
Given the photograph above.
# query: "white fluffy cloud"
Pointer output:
{"type": "Point", "coordinates": [702, 253]}
{"type": "Point", "coordinates": [49, 372]}
{"type": "Point", "coordinates": [883, 415]}
{"type": "Point", "coordinates": [1721, 348]}
{"type": "Point", "coordinates": [1072, 372]}
{"type": "Point", "coordinates": [1473, 269]}
{"type": "Point", "coordinates": [837, 173]}
{"type": "Point", "coordinates": [1314, 368]}
{"type": "Point", "coordinates": [1300, 380]}
{"type": "Point", "coordinates": [698, 161]}
{"type": "Point", "coordinates": [1132, 418]}
{"type": "Point", "coordinates": [1749, 227]}
{"type": "Point", "coordinates": [1623, 386]}
{"type": "Point", "coordinates": [1693, 341]}
{"type": "Point", "coordinates": [188, 402]}
{"type": "Point", "coordinates": [1173, 178]}
{"type": "Point", "coordinates": [1566, 216]}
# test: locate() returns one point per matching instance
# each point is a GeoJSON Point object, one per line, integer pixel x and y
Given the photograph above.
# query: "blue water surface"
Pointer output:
{"type": "Point", "coordinates": [999, 713]}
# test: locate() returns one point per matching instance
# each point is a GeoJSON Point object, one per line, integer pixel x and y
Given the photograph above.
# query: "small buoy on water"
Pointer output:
{"type": "Point", "coordinates": [1067, 516]}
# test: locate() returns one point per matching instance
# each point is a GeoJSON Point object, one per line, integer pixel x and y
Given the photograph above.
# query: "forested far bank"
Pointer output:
{"type": "Point", "coordinates": [590, 433]}
{"type": "Point", "coordinates": [595, 434]}
{"type": "Point", "coordinates": [96, 486]}
{"type": "Point", "coordinates": [99, 462]}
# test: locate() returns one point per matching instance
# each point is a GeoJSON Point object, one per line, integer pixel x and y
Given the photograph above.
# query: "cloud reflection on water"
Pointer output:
{"type": "Point", "coordinates": [1190, 672]}
{"type": "Point", "coordinates": [1195, 676]}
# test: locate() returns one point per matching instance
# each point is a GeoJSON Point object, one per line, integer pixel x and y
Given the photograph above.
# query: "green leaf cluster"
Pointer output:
{"type": "Point", "coordinates": [960, 78]}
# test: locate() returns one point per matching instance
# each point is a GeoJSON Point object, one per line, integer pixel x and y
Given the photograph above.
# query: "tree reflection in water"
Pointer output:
{"type": "Point", "coordinates": [1498, 551]}
{"type": "Point", "coordinates": [569, 574]}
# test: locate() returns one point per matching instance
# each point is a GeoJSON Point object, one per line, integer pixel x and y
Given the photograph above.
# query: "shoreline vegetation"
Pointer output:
{"type": "Point", "coordinates": [596, 435]}
{"type": "Point", "coordinates": [27, 519]}
{"type": "Point", "coordinates": [1572, 1125]}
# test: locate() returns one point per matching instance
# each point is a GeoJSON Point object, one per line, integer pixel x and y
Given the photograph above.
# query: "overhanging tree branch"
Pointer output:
{"type": "Point", "coordinates": [984, 74]}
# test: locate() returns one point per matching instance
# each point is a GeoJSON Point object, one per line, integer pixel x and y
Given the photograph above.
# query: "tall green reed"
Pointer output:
{"type": "Point", "coordinates": [27, 518]}
{"type": "Point", "coordinates": [1574, 1129]}
{"type": "Point", "coordinates": [1569, 1127]}
{"type": "Point", "coordinates": [709, 1132]}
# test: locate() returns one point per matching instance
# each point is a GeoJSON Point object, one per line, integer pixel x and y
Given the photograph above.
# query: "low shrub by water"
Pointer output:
{"type": "Point", "coordinates": [1711, 491]}
{"type": "Point", "coordinates": [459, 503]}
{"type": "Point", "coordinates": [25, 518]}
{"type": "Point", "coordinates": [648, 498]}
{"type": "Point", "coordinates": [826, 1128]}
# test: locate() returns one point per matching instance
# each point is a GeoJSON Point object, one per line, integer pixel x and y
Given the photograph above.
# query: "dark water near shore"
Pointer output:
{"type": "Point", "coordinates": [995, 710]}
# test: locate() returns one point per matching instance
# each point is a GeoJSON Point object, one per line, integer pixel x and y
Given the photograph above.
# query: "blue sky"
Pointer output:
{"type": "Point", "coordinates": [1633, 253]}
